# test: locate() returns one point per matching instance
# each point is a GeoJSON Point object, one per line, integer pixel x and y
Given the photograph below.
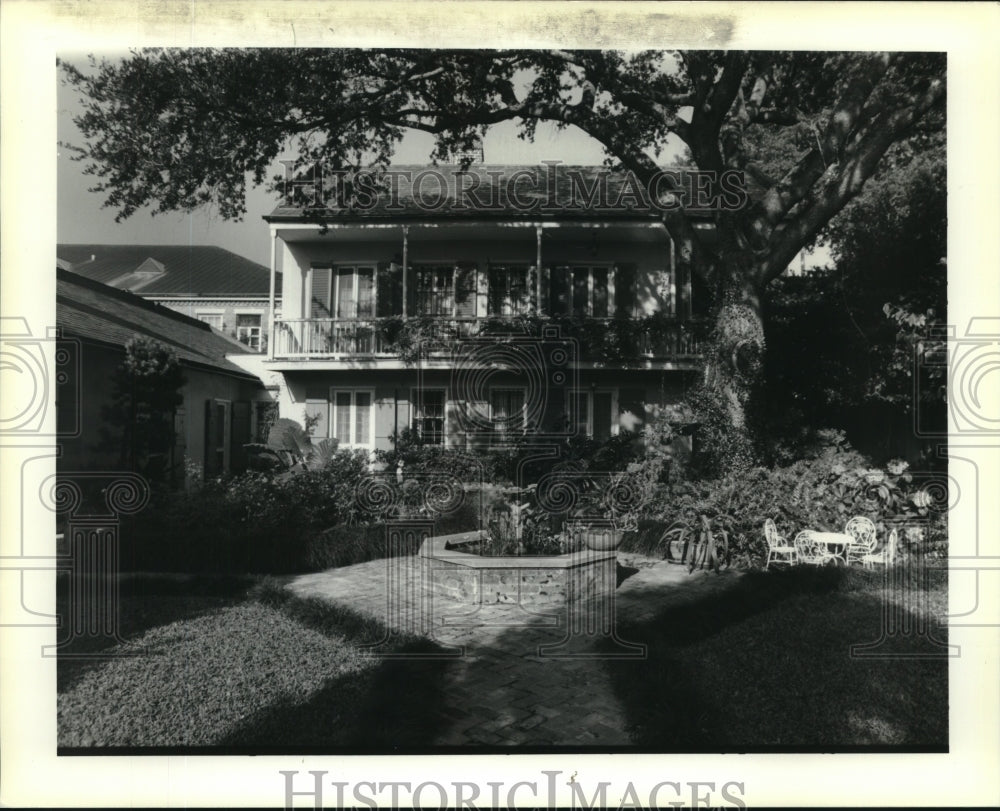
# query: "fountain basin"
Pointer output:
{"type": "Point", "coordinates": [527, 580]}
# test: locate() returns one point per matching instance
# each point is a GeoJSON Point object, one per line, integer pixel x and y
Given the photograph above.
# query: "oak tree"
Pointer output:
{"type": "Point", "coordinates": [177, 129]}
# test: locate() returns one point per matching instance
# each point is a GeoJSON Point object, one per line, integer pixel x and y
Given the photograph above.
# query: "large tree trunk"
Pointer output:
{"type": "Point", "coordinates": [726, 401]}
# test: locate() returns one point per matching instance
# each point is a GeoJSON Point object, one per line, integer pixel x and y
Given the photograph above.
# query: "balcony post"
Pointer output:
{"type": "Point", "coordinates": [406, 272]}
{"type": "Point", "coordinates": [271, 336]}
{"type": "Point", "coordinates": [672, 256]}
{"type": "Point", "coordinates": [538, 268]}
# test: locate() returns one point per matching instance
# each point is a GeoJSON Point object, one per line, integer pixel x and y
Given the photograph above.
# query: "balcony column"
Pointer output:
{"type": "Point", "coordinates": [270, 300]}
{"type": "Point", "coordinates": [672, 258]}
{"type": "Point", "coordinates": [538, 268]}
{"type": "Point", "coordinates": [406, 272]}
{"type": "Point", "coordinates": [683, 287]}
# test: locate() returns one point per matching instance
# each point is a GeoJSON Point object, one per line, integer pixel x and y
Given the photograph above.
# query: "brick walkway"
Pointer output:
{"type": "Point", "coordinates": [518, 678]}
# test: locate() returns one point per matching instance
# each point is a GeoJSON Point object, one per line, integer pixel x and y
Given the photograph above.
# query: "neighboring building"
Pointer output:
{"type": "Point", "coordinates": [479, 285]}
{"type": "Point", "coordinates": [220, 406]}
{"type": "Point", "coordinates": [227, 291]}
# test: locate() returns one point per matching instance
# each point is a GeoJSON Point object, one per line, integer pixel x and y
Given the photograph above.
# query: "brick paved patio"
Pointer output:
{"type": "Point", "coordinates": [519, 677]}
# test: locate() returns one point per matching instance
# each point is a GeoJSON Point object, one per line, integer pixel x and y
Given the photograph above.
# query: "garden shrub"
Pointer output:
{"type": "Point", "coordinates": [345, 545]}
{"type": "Point", "coordinates": [509, 464]}
{"type": "Point", "coordinates": [254, 522]}
{"type": "Point", "coordinates": [418, 457]}
{"type": "Point", "coordinates": [465, 518]}
{"type": "Point", "coordinates": [520, 529]}
{"type": "Point", "coordinates": [819, 493]}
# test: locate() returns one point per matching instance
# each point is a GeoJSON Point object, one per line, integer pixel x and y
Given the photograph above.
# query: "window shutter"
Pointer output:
{"type": "Point", "coordinates": [600, 299]}
{"type": "Point", "coordinates": [414, 279]}
{"type": "Point", "coordinates": [209, 448]}
{"type": "Point", "coordinates": [497, 290]}
{"type": "Point", "coordinates": [625, 291]}
{"type": "Point", "coordinates": [239, 435]}
{"type": "Point", "coordinates": [366, 292]}
{"type": "Point", "coordinates": [559, 278]}
{"type": "Point", "coordinates": [602, 415]}
{"type": "Point", "coordinates": [321, 286]}
{"type": "Point", "coordinates": [389, 293]}
{"type": "Point", "coordinates": [544, 305]}
{"type": "Point", "coordinates": [465, 291]}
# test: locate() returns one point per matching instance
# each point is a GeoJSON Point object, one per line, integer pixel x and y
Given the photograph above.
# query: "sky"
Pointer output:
{"type": "Point", "coordinates": [82, 219]}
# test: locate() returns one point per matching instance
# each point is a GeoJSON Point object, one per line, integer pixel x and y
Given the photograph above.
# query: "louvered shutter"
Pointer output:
{"type": "Point", "coordinates": [559, 279]}
{"type": "Point", "coordinates": [320, 306]}
{"type": "Point", "coordinates": [625, 291]}
{"type": "Point", "coordinates": [211, 465]}
{"type": "Point", "coordinates": [544, 303]}
{"type": "Point", "coordinates": [239, 435]}
{"type": "Point", "coordinates": [465, 291]}
{"type": "Point", "coordinates": [389, 294]}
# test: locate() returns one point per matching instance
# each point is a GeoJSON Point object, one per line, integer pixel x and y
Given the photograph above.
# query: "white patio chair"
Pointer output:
{"type": "Point", "coordinates": [885, 556]}
{"type": "Point", "coordinates": [862, 530]}
{"type": "Point", "coordinates": [777, 550]}
{"type": "Point", "coordinates": [809, 551]}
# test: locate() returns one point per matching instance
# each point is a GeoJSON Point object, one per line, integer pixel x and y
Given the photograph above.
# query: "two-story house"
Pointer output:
{"type": "Point", "coordinates": [544, 303]}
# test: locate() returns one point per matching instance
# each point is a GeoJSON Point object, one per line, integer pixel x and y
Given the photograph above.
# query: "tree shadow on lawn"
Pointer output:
{"type": "Point", "coordinates": [146, 601]}
{"type": "Point", "coordinates": [395, 706]}
{"type": "Point", "coordinates": [766, 664]}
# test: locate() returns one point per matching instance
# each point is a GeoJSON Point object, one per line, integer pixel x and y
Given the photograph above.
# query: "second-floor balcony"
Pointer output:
{"type": "Point", "coordinates": [601, 341]}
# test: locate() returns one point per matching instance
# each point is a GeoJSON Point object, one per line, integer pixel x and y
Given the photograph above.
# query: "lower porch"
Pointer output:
{"type": "Point", "coordinates": [479, 409]}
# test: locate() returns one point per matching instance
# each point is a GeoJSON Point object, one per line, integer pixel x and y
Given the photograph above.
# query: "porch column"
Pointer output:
{"type": "Point", "coordinates": [406, 243]}
{"type": "Point", "coordinates": [270, 329]}
{"type": "Point", "coordinates": [672, 292]}
{"type": "Point", "coordinates": [538, 268]}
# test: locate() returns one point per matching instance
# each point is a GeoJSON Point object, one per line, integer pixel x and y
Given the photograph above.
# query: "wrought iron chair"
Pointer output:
{"type": "Point", "coordinates": [885, 556]}
{"type": "Point", "coordinates": [777, 550]}
{"type": "Point", "coordinates": [862, 530]}
{"type": "Point", "coordinates": [807, 550]}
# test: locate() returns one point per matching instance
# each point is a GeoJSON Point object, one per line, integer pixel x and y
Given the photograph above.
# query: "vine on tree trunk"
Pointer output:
{"type": "Point", "coordinates": [723, 404]}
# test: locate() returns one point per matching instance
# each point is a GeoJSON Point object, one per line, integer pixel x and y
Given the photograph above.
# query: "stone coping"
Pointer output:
{"type": "Point", "coordinates": [442, 547]}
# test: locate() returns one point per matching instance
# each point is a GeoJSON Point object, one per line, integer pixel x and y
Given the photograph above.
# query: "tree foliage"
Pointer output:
{"type": "Point", "coordinates": [863, 342]}
{"type": "Point", "coordinates": [146, 393]}
{"type": "Point", "coordinates": [181, 128]}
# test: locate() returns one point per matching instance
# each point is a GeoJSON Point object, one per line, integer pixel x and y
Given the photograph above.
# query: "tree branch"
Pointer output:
{"type": "Point", "coordinates": [846, 116]}
{"type": "Point", "coordinates": [862, 158]}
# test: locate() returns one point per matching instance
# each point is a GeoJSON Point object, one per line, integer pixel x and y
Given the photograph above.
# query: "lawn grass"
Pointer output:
{"type": "Point", "coordinates": [257, 671]}
{"type": "Point", "coordinates": [768, 664]}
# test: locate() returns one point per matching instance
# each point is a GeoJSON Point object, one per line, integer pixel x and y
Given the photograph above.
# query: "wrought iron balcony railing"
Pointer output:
{"type": "Point", "coordinates": [609, 340]}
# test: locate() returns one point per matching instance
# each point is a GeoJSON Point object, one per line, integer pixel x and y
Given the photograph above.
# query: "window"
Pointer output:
{"type": "Point", "coordinates": [580, 290]}
{"type": "Point", "coordinates": [428, 415]}
{"type": "Point", "coordinates": [213, 319]}
{"type": "Point", "coordinates": [508, 290]}
{"type": "Point", "coordinates": [434, 290]}
{"type": "Point", "coordinates": [343, 292]}
{"type": "Point", "coordinates": [507, 411]}
{"type": "Point", "coordinates": [248, 330]}
{"type": "Point", "coordinates": [593, 413]}
{"type": "Point", "coordinates": [351, 417]}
